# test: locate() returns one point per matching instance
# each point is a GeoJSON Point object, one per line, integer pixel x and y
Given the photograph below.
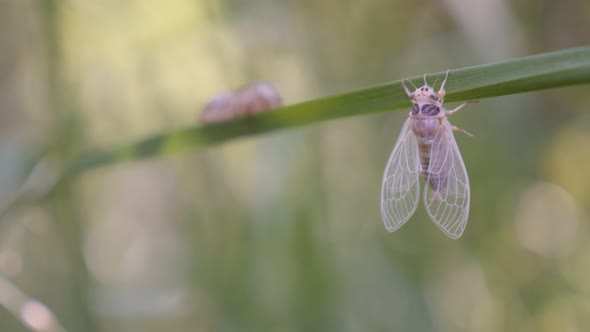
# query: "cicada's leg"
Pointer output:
{"type": "Point", "coordinates": [455, 128]}
{"type": "Point", "coordinates": [442, 92]}
{"type": "Point", "coordinates": [406, 88]}
{"type": "Point", "coordinates": [449, 112]}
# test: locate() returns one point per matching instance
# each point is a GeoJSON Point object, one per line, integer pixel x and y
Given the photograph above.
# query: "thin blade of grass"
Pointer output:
{"type": "Point", "coordinates": [543, 71]}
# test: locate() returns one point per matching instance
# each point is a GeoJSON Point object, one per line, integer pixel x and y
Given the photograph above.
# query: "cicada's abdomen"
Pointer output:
{"type": "Point", "coordinates": [437, 172]}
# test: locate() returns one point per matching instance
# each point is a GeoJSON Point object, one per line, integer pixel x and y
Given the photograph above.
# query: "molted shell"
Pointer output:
{"type": "Point", "coordinates": [250, 99]}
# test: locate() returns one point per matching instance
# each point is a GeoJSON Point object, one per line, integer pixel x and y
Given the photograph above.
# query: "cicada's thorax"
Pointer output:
{"type": "Point", "coordinates": [427, 119]}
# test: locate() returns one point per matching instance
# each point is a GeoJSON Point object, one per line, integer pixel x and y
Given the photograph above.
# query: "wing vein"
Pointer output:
{"type": "Point", "coordinates": [400, 188]}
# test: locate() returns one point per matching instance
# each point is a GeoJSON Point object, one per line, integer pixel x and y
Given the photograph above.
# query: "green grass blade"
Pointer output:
{"type": "Point", "coordinates": [543, 71]}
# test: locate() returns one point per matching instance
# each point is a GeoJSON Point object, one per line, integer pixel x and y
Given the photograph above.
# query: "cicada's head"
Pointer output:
{"type": "Point", "coordinates": [425, 95]}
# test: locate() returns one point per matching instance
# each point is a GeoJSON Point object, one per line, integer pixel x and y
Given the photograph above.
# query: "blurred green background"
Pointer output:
{"type": "Point", "coordinates": [282, 232]}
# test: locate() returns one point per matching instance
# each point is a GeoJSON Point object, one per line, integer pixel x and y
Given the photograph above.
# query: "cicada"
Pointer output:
{"type": "Point", "coordinates": [426, 147]}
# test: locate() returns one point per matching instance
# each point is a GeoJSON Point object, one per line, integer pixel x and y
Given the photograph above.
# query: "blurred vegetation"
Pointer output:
{"type": "Point", "coordinates": [282, 231]}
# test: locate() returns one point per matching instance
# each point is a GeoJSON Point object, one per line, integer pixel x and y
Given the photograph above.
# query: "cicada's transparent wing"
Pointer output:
{"type": "Point", "coordinates": [447, 193]}
{"type": "Point", "coordinates": [400, 191]}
